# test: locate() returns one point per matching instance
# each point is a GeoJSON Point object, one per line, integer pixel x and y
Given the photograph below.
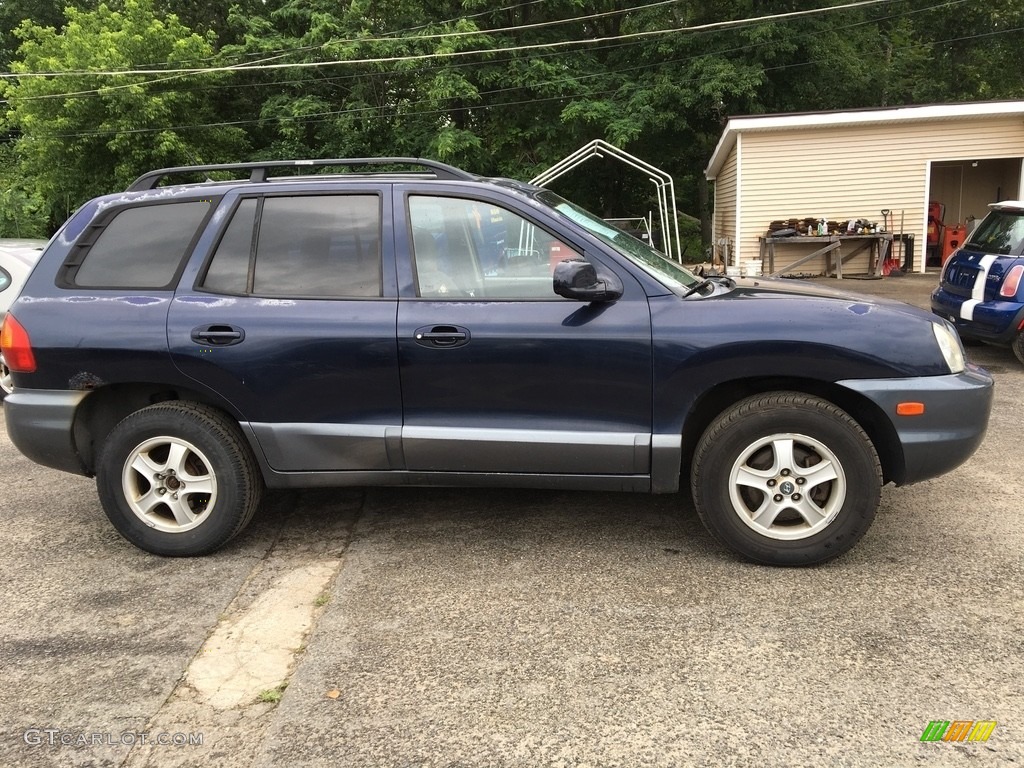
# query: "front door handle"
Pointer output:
{"type": "Point", "coordinates": [217, 335]}
{"type": "Point", "coordinates": [441, 336]}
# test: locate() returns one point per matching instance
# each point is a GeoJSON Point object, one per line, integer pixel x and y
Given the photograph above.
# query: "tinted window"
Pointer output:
{"type": "Point", "coordinates": [142, 247]}
{"type": "Point", "coordinates": [229, 270]}
{"type": "Point", "coordinates": [472, 249]}
{"type": "Point", "coordinates": [325, 245]}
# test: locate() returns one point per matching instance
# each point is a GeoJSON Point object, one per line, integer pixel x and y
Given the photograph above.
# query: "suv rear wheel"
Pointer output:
{"type": "Point", "coordinates": [178, 479]}
{"type": "Point", "coordinates": [786, 479]}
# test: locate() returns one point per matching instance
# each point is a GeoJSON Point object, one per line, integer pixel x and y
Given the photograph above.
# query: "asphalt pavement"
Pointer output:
{"type": "Point", "coordinates": [480, 628]}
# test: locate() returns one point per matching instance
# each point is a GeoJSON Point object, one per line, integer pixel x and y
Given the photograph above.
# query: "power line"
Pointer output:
{"type": "Point", "coordinates": [453, 54]}
{"type": "Point", "coordinates": [320, 117]}
{"type": "Point", "coordinates": [455, 65]}
{"type": "Point", "coordinates": [519, 27]}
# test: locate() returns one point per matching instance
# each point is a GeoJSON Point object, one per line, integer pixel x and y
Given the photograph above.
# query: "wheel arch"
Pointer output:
{"type": "Point", "coordinates": [106, 406]}
{"type": "Point", "coordinates": [714, 401]}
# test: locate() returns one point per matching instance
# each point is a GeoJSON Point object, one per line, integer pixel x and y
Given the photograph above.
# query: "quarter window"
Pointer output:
{"type": "Point", "coordinates": [473, 249]}
{"type": "Point", "coordinates": [141, 247]}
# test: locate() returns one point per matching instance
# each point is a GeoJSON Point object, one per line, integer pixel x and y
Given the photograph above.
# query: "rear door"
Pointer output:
{"type": "Point", "coordinates": [499, 374]}
{"type": "Point", "coordinates": [291, 319]}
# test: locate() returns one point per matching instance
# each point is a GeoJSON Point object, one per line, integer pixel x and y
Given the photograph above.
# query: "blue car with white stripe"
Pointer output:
{"type": "Point", "coordinates": [981, 290]}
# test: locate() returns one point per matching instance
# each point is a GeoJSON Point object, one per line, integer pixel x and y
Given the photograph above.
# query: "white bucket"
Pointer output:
{"type": "Point", "coordinates": [750, 268]}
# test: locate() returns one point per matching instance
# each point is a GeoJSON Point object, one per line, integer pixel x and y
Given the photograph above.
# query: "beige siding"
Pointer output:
{"type": "Point", "coordinates": [725, 205]}
{"type": "Point", "coordinates": [854, 172]}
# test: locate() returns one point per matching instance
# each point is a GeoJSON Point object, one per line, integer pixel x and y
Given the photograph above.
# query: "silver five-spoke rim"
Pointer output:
{"type": "Point", "coordinates": [787, 486]}
{"type": "Point", "coordinates": [169, 484]}
{"type": "Point", "coordinates": [6, 384]}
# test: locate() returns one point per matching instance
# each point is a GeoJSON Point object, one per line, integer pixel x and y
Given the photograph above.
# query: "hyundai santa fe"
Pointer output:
{"type": "Point", "coordinates": [217, 330]}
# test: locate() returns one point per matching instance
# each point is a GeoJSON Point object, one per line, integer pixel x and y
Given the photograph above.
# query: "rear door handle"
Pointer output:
{"type": "Point", "coordinates": [217, 335]}
{"type": "Point", "coordinates": [441, 336]}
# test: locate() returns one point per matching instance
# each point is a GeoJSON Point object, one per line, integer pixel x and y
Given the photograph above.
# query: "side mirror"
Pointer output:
{"type": "Point", "coordinates": [577, 279]}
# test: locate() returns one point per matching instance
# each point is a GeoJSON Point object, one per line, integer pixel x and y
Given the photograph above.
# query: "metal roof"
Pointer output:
{"type": "Point", "coordinates": [874, 116]}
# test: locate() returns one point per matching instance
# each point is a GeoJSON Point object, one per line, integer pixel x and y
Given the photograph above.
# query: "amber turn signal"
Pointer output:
{"type": "Point", "coordinates": [910, 409]}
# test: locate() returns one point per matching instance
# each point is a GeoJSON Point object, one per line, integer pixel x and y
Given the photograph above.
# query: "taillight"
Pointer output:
{"type": "Point", "coordinates": [16, 346]}
{"type": "Point", "coordinates": [1011, 282]}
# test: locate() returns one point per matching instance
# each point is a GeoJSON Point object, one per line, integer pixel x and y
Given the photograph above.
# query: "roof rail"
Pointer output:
{"type": "Point", "coordinates": [258, 170]}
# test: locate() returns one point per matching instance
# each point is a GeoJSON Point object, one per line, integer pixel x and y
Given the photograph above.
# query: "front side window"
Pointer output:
{"type": "Point", "coordinates": [640, 253]}
{"type": "Point", "coordinates": [301, 246]}
{"type": "Point", "coordinates": [141, 247]}
{"type": "Point", "coordinates": [474, 249]}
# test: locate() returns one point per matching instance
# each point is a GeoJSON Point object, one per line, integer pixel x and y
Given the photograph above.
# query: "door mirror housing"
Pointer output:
{"type": "Point", "coordinates": [578, 279]}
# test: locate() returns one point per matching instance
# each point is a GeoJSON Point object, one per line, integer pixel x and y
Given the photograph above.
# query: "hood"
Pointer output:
{"type": "Point", "coordinates": [768, 288]}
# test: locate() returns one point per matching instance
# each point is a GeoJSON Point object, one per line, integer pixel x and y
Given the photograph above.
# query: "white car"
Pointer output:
{"type": "Point", "coordinates": [17, 257]}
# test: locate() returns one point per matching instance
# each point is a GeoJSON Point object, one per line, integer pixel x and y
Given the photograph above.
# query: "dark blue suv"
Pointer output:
{"type": "Point", "coordinates": [192, 343]}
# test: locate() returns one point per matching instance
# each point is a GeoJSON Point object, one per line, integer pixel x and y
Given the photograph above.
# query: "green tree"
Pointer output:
{"type": "Point", "coordinates": [23, 211]}
{"type": "Point", "coordinates": [498, 87]}
{"type": "Point", "coordinates": [85, 134]}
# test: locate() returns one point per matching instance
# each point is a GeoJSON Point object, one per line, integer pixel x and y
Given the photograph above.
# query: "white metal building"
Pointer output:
{"type": "Point", "coordinates": [854, 164]}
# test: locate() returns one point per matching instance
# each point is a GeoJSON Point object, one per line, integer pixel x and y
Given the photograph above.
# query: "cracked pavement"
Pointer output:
{"type": "Point", "coordinates": [440, 627]}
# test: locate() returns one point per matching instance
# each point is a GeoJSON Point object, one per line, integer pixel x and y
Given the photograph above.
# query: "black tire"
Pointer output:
{"type": "Point", "coordinates": [1018, 347]}
{"type": "Point", "coordinates": [139, 475]}
{"type": "Point", "coordinates": [742, 466]}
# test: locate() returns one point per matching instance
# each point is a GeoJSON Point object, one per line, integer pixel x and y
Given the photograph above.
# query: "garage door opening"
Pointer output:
{"type": "Point", "coordinates": [959, 194]}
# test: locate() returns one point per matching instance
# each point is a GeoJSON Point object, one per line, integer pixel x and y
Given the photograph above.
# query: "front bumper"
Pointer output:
{"type": "Point", "coordinates": [40, 423]}
{"type": "Point", "coordinates": [992, 321]}
{"type": "Point", "coordinates": [956, 412]}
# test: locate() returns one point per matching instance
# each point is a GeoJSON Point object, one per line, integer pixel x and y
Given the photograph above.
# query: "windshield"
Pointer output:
{"type": "Point", "coordinates": [1002, 232]}
{"type": "Point", "coordinates": [637, 251]}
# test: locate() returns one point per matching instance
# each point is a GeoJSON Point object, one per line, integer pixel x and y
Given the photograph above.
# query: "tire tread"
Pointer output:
{"type": "Point", "coordinates": [745, 409]}
{"type": "Point", "coordinates": [227, 433]}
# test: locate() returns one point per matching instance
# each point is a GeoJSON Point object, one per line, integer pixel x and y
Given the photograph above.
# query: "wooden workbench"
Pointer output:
{"type": "Point", "coordinates": [832, 248]}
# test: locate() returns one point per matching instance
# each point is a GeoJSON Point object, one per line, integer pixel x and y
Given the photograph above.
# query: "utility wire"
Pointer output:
{"type": "Point", "coordinates": [452, 54]}
{"type": "Point", "coordinates": [319, 117]}
{"type": "Point", "coordinates": [458, 65]}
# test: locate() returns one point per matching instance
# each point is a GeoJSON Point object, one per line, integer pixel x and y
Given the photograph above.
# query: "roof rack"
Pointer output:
{"type": "Point", "coordinates": [258, 170]}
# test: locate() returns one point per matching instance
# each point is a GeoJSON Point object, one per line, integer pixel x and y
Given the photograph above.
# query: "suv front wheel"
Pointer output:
{"type": "Point", "coordinates": [178, 479]}
{"type": "Point", "coordinates": [786, 479]}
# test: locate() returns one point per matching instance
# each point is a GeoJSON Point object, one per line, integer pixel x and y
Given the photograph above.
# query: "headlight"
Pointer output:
{"type": "Point", "coordinates": [950, 346]}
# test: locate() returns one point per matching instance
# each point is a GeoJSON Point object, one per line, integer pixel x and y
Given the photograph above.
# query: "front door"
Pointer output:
{"type": "Point", "coordinates": [501, 375]}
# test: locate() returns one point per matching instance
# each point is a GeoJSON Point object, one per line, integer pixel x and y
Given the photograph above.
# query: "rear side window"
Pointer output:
{"type": "Point", "coordinates": [141, 247]}
{"type": "Point", "coordinates": [302, 246]}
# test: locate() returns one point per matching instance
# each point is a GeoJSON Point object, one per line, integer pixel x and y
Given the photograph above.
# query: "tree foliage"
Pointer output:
{"type": "Point", "coordinates": [504, 88]}
{"type": "Point", "coordinates": [87, 134]}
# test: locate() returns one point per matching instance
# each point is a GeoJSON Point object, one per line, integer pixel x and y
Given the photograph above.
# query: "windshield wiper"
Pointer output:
{"type": "Point", "coordinates": [697, 287]}
{"type": "Point", "coordinates": [706, 281]}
